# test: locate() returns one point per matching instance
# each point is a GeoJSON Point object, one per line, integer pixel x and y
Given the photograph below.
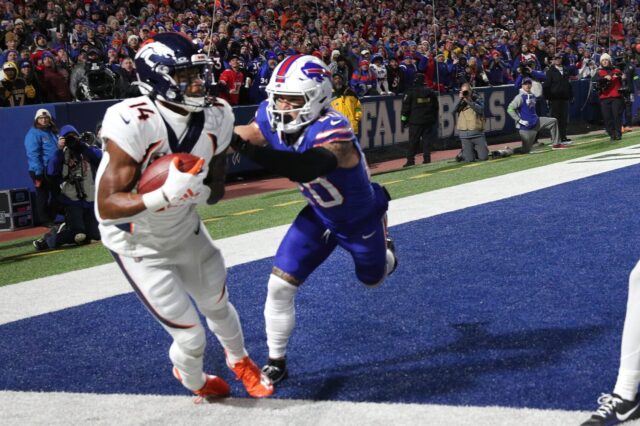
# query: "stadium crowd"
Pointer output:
{"type": "Point", "coordinates": [82, 49]}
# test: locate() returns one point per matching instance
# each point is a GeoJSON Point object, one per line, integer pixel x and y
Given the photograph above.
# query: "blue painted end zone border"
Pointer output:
{"type": "Point", "coordinates": [517, 303]}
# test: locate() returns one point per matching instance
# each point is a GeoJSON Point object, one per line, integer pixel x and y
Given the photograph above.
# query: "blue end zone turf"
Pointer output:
{"type": "Point", "coordinates": [513, 303]}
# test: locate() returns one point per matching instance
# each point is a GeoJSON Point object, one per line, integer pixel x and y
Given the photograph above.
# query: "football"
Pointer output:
{"type": "Point", "coordinates": [156, 173]}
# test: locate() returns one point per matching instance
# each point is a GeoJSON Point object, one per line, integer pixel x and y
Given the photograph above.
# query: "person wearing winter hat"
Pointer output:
{"type": "Point", "coordinates": [609, 82]}
{"type": "Point", "coordinates": [41, 143]}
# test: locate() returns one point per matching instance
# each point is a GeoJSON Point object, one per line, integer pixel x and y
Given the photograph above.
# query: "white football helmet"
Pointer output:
{"type": "Point", "coordinates": [298, 75]}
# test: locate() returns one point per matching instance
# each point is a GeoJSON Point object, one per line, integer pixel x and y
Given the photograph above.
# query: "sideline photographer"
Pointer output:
{"type": "Point", "coordinates": [608, 83]}
{"type": "Point", "coordinates": [469, 109]}
{"type": "Point", "coordinates": [73, 167]}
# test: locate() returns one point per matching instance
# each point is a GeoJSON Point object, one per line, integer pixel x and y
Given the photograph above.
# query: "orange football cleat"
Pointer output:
{"type": "Point", "coordinates": [257, 384]}
{"type": "Point", "coordinates": [214, 388]}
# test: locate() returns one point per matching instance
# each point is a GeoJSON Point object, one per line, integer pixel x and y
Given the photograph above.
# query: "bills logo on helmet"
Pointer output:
{"type": "Point", "coordinates": [315, 72]}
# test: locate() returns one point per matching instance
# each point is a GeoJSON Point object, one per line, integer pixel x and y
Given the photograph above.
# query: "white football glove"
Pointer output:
{"type": "Point", "coordinates": [523, 122]}
{"type": "Point", "coordinates": [179, 188]}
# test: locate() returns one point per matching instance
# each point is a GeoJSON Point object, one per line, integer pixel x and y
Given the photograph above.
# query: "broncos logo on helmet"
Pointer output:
{"type": "Point", "coordinates": [159, 62]}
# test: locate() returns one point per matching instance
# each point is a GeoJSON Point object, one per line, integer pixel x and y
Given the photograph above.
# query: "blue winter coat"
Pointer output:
{"type": "Point", "coordinates": [40, 145]}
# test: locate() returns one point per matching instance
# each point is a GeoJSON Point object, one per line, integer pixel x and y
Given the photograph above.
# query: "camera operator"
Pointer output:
{"type": "Point", "coordinates": [629, 89]}
{"type": "Point", "coordinates": [609, 82]}
{"type": "Point", "coordinates": [73, 167]}
{"type": "Point", "coordinates": [420, 111]}
{"type": "Point", "coordinates": [469, 109]}
{"type": "Point", "coordinates": [92, 80]}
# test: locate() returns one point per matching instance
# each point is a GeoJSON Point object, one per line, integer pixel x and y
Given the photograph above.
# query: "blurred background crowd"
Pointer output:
{"type": "Point", "coordinates": [56, 50]}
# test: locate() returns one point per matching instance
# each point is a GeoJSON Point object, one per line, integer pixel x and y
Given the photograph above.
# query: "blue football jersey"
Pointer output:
{"type": "Point", "coordinates": [342, 198]}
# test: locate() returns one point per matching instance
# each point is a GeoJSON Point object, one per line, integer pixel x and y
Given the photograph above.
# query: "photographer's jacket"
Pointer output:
{"type": "Point", "coordinates": [420, 105]}
{"type": "Point", "coordinates": [75, 171]}
{"type": "Point", "coordinates": [470, 121]}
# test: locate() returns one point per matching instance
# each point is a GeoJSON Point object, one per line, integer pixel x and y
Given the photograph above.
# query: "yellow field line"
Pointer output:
{"type": "Point", "coordinates": [288, 203]}
{"type": "Point", "coordinates": [473, 165]}
{"type": "Point", "coordinates": [391, 182]}
{"type": "Point", "coordinates": [212, 219]}
{"type": "Point", "coordinates": [420, 175]}
{"type": "Point", "coordinates": [246, 212]}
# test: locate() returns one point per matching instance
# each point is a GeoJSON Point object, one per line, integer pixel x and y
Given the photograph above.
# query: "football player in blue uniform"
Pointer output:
{"type": "Point", "coordinates": [298, 135]}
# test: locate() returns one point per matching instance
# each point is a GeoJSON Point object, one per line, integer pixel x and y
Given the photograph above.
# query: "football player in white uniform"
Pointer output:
{"type": "Point", "coordinates": [157, 238]}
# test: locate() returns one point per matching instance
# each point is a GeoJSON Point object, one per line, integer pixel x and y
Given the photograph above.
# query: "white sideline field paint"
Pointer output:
{"type": "Point", "coordinates": [44, 295]}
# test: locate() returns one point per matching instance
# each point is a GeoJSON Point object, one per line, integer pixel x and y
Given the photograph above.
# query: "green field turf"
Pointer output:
{"type": "Point", "coordinates": [19, 261]}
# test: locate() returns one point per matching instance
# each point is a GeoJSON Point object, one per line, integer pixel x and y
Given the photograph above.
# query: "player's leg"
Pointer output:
{"type": "Point", "coordinates": [552, 125]}
{"type": "Point", "coordinates": [305, 246]}
{"type": "Point", "coordinates": [159, 287]}
{"type": "Point", "coordinates": [204, 274]}
{"type": "Point", "coordinates": [623, 403]}
{"type": "Point", "coordinates": [372, 250]}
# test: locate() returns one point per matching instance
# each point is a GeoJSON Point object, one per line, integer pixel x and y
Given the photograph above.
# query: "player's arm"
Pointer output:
{"type": "Point", "coordinates": [115, 201]}
{"type": "Point", "coordinates": [299, 167]}
{"type": "Point", "coordinates": [114, 197]}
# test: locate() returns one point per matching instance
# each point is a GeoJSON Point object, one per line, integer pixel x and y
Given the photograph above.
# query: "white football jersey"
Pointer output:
{"type": "Point", "coordinates": [137, 127]}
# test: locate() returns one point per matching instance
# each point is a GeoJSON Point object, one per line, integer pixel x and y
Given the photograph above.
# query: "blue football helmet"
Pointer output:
{"type": "Point", "coordinates": [167, 64]}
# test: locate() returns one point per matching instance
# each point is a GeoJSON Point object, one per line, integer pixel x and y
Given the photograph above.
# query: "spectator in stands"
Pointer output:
{"type": "Point", "coordinates": [126, 77]}
{"type": "Point", "coordinates": [558, 92]}
{"type": "Point", "coordinates": [14, 90]}
{"type": "Point", "coordinates": [29, 76]}
{"type": "Point", "coordinates": [420, 112]}
{"type": "Point", "coordinates": [72, 169]}
{"type": "Point", "coordinates": [346, 102]}
{"type": "Point", "coordinates": [342, 67]}
{"type": "Point", "coordinates": [395, 77]}
{"type": "Point", "coordinates": [469, 109]}
{"type": "Point", "coordinates": [231, 80]}
{"type": "Point", "coordinates": [379, 69]}
{"type": "Point", "coordinates": [523, 111]}
{"type": "Point", "coordinates": [363, 82]}
{"type": "Point", "coordinates": [55, 85]}
{"type": "Point", "coordinates": [41, 142]}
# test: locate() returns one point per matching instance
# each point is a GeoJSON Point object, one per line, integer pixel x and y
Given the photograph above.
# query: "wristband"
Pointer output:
{"type": "Point", "coordinates": [155, 200]}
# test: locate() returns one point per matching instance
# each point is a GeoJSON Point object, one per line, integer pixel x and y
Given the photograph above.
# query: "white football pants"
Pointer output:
{"type": "Point", "coordinates": [195, 268]}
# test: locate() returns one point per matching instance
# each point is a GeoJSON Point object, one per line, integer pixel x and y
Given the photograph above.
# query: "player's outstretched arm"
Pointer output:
{"type": "Point", "coordinates": [299, 167]}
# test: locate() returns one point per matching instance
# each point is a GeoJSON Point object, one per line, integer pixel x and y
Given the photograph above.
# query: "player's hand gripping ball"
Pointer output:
{"type": "Point", "coordinates": [156, 173]}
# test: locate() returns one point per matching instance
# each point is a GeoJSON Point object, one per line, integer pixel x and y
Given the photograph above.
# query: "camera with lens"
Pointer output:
{"type": "Point", "coordinates": [88, 138]}
{"type": "Point", "coordinates": [465, 93]}
{"type": "Point", "coordinates": [524, 70]}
